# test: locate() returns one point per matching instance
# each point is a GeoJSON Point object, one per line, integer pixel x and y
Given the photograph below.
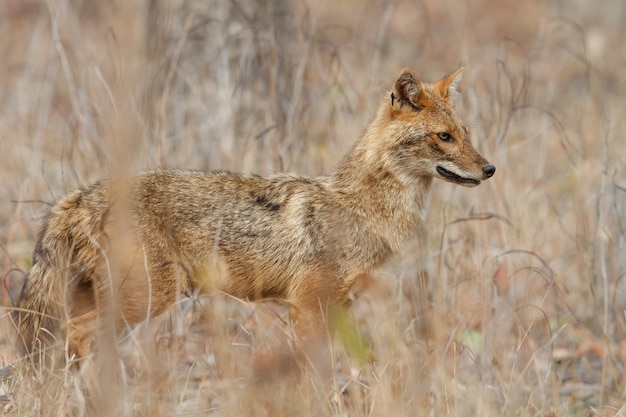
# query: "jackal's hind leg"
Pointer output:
{"type": "Point", "coordinates": [80, 334]}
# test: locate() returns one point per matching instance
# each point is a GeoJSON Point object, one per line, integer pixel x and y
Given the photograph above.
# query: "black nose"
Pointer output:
{"type": "Point", "coordinates": [489, 170]}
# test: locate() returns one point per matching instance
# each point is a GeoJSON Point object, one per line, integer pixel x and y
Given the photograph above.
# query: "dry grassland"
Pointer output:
{"type": "Point", "coordinates": [513, 301]}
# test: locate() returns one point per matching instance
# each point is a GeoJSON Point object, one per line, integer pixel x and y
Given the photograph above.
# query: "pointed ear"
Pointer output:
{"type": "Point", "coordinates": [448, 85]}
{"type": "Point", "coordinates": [406, 90]}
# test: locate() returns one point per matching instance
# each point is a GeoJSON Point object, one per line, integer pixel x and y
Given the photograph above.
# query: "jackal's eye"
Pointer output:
{"type": "Point", "coordinates": [445, 136]}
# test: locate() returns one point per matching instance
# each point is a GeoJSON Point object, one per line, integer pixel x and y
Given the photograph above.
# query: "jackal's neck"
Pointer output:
{"type": "Point", "coordinates": [390, 207]}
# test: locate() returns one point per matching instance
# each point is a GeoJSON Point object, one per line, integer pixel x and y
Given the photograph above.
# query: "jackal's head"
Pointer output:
{"type": "Point", "coordinates": [425, 136]}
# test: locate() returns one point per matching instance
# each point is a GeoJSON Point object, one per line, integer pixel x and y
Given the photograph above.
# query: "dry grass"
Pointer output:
{"type": "Point", "coordinates": [512, 303]}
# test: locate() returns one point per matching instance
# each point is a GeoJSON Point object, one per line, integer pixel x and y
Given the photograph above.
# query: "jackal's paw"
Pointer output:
{"type": "Point", "coordinates": [276, 362]}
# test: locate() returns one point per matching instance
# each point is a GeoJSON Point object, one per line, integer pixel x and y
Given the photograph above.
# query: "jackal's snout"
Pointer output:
{"type": "Point", "coordinates": [469, 177]}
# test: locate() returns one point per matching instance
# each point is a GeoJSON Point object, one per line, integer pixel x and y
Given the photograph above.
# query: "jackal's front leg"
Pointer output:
{"type": "Point", "coordinates": [308, 345]}
{"type": "Point", "coordinates": [315, 302]}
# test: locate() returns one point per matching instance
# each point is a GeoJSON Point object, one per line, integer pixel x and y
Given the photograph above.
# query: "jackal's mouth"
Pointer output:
{"type": "Point", "coordinates": [451, 176]}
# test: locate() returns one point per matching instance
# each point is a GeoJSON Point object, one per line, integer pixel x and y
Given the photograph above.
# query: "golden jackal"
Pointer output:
{"type": "Point", "coordinates": [131, 248]}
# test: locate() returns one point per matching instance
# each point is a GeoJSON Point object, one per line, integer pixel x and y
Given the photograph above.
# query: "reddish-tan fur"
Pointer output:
{"type": "Point", "coordinates": [131, 248]}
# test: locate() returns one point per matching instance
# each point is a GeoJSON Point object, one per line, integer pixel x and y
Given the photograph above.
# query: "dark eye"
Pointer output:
{"type": "Point", "coordinates": [445, 136]}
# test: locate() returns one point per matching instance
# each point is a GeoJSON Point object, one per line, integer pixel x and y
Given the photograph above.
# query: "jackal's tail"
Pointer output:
{"type": "Point", "coordinates": [64, 257]}
{"type": "Point", "coordinates": [37, 318]}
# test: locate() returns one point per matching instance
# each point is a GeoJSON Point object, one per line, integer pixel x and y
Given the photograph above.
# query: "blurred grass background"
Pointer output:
{"type": "Point", "coordinates": [513, 300]}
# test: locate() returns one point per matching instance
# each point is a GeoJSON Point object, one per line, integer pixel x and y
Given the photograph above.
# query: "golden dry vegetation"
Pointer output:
{"type": "Point", "coordinates": [512, 302]}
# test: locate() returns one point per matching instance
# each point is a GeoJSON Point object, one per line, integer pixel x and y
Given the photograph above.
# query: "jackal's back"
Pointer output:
{"type": "Point", "coordinates": [263, 230]}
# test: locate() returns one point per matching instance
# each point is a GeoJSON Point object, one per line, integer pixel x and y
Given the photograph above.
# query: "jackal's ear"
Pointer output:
{"type": "Point", "coordinates": [447, 86]}
{"type": "Point", "coordinates": [406, 90]}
